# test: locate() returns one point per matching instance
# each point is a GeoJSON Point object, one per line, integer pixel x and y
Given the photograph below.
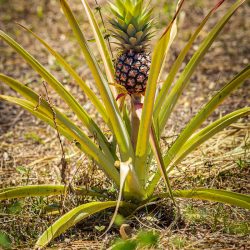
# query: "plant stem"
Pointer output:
{"type": "Point", "coordinates": [135, 120]}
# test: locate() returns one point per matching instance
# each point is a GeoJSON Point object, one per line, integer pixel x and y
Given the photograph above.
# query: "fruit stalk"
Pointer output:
{"type": "Point", "coordinates": [135, 120]}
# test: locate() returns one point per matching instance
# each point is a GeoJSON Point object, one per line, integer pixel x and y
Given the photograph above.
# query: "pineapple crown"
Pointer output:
{"type": "Point", "coordinates": [132, 24]}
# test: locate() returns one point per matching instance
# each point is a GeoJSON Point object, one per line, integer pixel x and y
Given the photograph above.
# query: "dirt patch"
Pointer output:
{"type": "Point", "coordinates": [30, 151]}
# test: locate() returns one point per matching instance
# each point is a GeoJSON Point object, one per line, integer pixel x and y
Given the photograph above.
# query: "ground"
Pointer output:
{"type": "Point", "coordinates": [30, 151]}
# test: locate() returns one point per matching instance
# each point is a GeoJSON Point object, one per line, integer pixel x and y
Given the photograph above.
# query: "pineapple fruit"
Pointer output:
{"type": "Point", "coordinates": [132, 28]}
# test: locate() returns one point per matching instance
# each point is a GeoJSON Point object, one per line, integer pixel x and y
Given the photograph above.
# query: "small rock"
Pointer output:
{"type": "Point", "coordinates": [5, 156]}
{"type": "Point", "coordinates": [245, 61]}
{"type": "Point", "coordinates": [67, 240]}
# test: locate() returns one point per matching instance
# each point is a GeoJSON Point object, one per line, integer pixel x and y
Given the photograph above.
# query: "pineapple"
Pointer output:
{"type": "Point", "coordinates": [131, 26]}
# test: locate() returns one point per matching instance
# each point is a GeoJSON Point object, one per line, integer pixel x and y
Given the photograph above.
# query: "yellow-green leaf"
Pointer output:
{"type": "Point", "coordinates": [204, 112]}
{"type": "Point", "coordinates": [59, 88]}
{"type": "Point", "coordinates": [31, 191]}
{"type": "Point", "coordinates": [35, 99]}
{"type": "Point", "coordinates": [158, 58]}
{"type": "Point", "coordinates": [198, 119]}
{"type": "Point", "coordinates": [82, 141]}
{"type": "Point", "coordinates": [223, 196]}
{"type": "Point", "coordinates": [177, 64]}
{"type": "Point", "coordinates": [92, 96]}
{"type": "Point", "coordinates": [101, 44]}
{"type": "Point", "coordinates": [172, 98]}
{"type": "Point", "coordinates": [71, 218]}
{"type": "Point", "coordinates": [206, 133]}
{"type": "Point", "coordinates": [117, 125]}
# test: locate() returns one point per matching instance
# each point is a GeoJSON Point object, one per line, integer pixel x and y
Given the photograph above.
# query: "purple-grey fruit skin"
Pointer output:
{"type": "Point", "coordinates": [132, 69]}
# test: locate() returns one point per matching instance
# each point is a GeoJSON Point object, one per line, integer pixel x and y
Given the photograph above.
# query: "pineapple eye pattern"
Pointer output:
{"type": "Point", "coordinates": [119, 65]}
{"type": "Point", "coordinates": [140, 78]}
{"type": "Point", "coordinates": [125, 68]}
{"type": "Point", "coordinates": [133, 73]}
{"type": "Point", "coordinates": [131, 82]}
{"type": "Point", "coordinates": [132, 70]}
{"type": "Point", "coordinates": [143, 69]}
{"type": "Point", "coordinates": [138, 88]}
{"type": "Point", "coordinates": [129, 61]}
{"type": "Point", "coordinates": [136, 65]}
{"type": "Point", "coordinates": [123, 77]}
{"type": "Point", "coordinates": [117, 73]}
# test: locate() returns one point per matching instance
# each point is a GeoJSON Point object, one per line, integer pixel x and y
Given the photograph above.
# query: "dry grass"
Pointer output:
{"type": "Point", "coordinates": [30, 151]}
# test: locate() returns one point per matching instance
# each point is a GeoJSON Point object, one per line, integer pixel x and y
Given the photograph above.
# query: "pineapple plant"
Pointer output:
{"type": "Point", "coordinates": [127, 160]}
{"type": "Point", "coordinates": [132, 28]}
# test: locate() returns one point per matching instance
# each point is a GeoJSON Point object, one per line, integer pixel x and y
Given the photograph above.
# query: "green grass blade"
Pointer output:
{"type": "Point", "coordinates": [34, 98]}
{"type": "Point", "coordinates": [82, 141]}
{"type": "Point", "coordinates": [184, 78]}
{"type": "Point", "coordinates": [59, 88]}
{"type": "Point", "coordinates": [31, 191]}
{"type": "Point", "coordinates": [206, 133]}
{"type": "Point", "coordinates": [71, 218]}
{"type": "Point", "coordinates": [101, 44]}
{"type": "Point", "coordinates": [158, 58]}
{"type": "Point", "coordinates": [177, 64]}
{"type": "Point", "coordinates": [117, 125]}
{"type": "Point", "coordinates": [92, 96]}
{"type": "Point", "coordinates": [223, 196]}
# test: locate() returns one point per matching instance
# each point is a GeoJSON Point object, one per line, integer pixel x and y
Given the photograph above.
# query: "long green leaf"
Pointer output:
{"type": "Point", "coordinates": [158, 58]}
{"type": "Point", "coordinates": [40, 113]}
{"type": "Point", "coordinates": [30, 95]}
{"type": "Point", "coordinates": [172, 98]}
{"type": "Point", "coordinates": [86, 89]}
{"type": "Point", "coordinates": [31, 191]}
{"type": "Point", "coordinates": [202, 115]}
{"type": "Point", "coordinates": [206, 133]}
{"type": "Point", "coordinates": [177, 64]}
{"type": "Point", "coordinates": [198, 119]}
{"type": "Point", "coordinates": [159, 158]}
{"type": "Point", "coordinates": [126, 172]}
{"type": "Point", "coordinates": [82, 141]}
{"type": "Point", "coordinates": [118, 127]}
{"type": "Point", "coordinates": [59, 88]}
{"type": "Point", "coordinates": [223, 196]}
{"type": "Point", "coordinates": [172, 35]}
{"type": "Point", "coordinates": [34, 98]}
{"type": "Point", "coordinates": [155, 147]}
{"type": "Point", "coordinates": [41, 190]}
{"type": "Point", "coordinates": [101, 44]}
{"type": "Point", "coordinates": [71, 218]}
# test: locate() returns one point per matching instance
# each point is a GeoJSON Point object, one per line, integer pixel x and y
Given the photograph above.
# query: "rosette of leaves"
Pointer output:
{"type": "Point", "coordinates": [136, 137]}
